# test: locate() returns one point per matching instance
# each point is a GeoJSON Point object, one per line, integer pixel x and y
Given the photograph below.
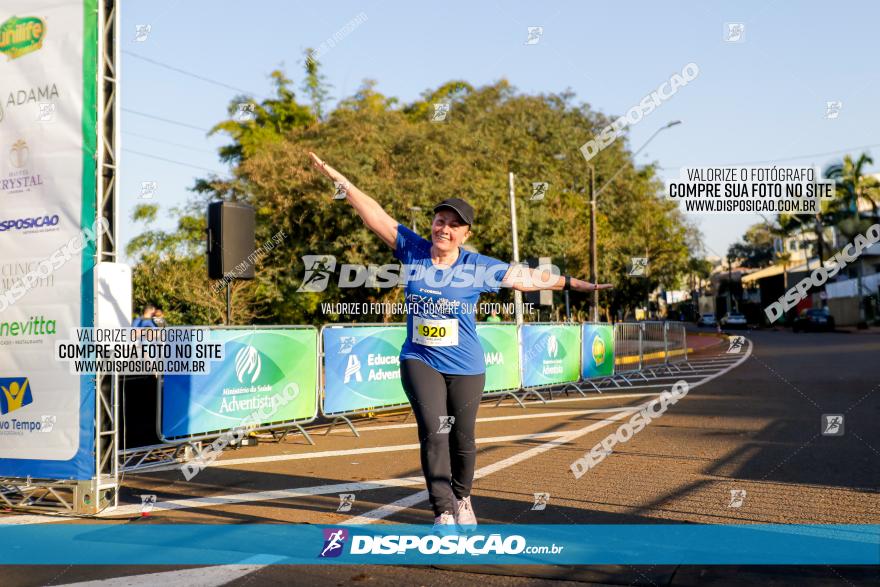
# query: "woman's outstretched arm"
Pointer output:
{"type": "Point", "coordinates": [524, 278]}
{"type": "Point", "coordinates": [367, 208]}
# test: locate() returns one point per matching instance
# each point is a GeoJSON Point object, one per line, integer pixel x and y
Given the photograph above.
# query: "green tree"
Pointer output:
{"type": "Point", "coordinates": [755, 250]}
{"type": "Point", "coordinates": [852, 186]}
{"type": "Point", "coordinates": [397, 154]}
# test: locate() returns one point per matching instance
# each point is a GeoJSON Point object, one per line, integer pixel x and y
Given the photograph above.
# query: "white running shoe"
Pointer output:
{"type": "Point", "coordinates": [464, 514]}
{"type": "Point", "coordinates": [444, 524]}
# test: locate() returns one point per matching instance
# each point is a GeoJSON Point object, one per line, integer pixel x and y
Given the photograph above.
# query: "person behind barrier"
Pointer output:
{"type": "Point", "coordinates": [493, 316]}
{"type": "Point", "coordinates": [145, 320]}
{"type": "Point", "coordinates": [159, 318]}
{"type": "Point", "coordinates": [442, 365]}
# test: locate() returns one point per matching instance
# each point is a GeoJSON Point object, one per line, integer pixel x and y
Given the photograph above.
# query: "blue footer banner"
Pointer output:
{"type": "Point", "coordinates": [150, 543]}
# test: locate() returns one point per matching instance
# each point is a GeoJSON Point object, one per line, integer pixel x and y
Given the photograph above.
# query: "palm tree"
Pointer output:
{"type": "Point", "coordinates": [786, 226]}
{"type": "Point", "coordinates": [851, 187]}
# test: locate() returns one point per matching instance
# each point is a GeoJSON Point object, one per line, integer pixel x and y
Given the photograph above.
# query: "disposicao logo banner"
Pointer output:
{"type": "Point", "coordinates": [597, 350]}
{"type": "Point", "coordinates": [411, 544]}
{"type": "Point", "coordinates": [258, 366]}
{"type": "Point", "coordinates": [550, 354]}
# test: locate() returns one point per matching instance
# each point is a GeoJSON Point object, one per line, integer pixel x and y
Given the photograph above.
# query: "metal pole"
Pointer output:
{"type": "Point", "coordinates": [228, 303]}
{"type": "Point", "coordinates": [729, 287]}
{"type": "Point", "coordinates": [594, 261]}
{"type": "Point", "coordinates": [593, 195]}
{"type": "Point", "coordinates": [567, 307]}
{"type": "Point", "coordinates": [517, 295]}
{"type": "Point", "coordinates": [641, 326]}
{"type": "Point", "coordinates": [413, 210]}
{"type": "Point", "coordinates": [665, 343]}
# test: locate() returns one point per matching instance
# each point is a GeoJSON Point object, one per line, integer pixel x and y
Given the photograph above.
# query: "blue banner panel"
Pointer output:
{"type": "Point", "coordinates": [597, 350]}
{"type": "Point", "coordinates": [361, 368]}
{"type": "Point", "coordinates": [510, 544]}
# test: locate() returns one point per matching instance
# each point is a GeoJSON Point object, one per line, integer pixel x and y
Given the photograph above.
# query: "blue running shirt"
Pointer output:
{"type": "Point", "coordinates": [441, 327]}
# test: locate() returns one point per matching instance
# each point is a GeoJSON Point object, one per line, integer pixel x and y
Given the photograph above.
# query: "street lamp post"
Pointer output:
{"type": "Point", "coordinates": [414, 210]}
{"type": "Point", "coordinates": [594, 262]}
{"type": "Point", "coordinates": [517, 295]}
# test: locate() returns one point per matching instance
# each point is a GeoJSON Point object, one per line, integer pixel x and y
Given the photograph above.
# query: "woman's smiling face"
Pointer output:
{"type": "Point", "coordinates": [448, 231]}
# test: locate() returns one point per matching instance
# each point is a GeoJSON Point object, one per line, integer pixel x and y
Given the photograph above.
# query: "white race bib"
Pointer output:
{"type": "Point", "coordinates": [435, 332]}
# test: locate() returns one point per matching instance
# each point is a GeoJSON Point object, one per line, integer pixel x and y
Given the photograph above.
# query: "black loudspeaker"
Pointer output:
{"type": "Point", "coordinates": [231, 240]}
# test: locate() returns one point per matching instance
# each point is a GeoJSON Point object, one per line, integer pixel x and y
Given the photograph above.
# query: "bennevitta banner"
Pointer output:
{"type": "Point", "coordinates": [48, 68]}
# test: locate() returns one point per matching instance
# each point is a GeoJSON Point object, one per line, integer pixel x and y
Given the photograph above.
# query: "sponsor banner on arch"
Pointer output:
{"type": "Point", "coordinates": [267, 376]}
{"type": "Point", "coordinates": [48, 118]}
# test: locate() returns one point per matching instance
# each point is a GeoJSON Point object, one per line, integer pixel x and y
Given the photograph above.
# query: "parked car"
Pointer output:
{"type": "Point", "coordinates": [813, 319]}
{"type": "Point", "coordinates": [706, 320]}
{"type": "Point", "coordinates": [734, 320]}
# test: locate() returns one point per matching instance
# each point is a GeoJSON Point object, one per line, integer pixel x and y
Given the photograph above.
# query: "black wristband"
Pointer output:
{"type": "Point", "coordinates": [567, 283]}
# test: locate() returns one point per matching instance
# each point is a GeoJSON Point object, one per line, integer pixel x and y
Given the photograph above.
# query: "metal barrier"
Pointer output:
{"type": "Point", "coordinates": [285, 425]}
{"type": "Point", "coordinates": [589, 356]}
{"type": "Point", "coordinates": [538, 349]}
{"type": "Point", "coordinates": [343, 415]}
{"type": "Point", "coordinates": [676, 346]}
{"type": "Point", "coordinates": [641, 350]}
{"type": "Point", "coordinates": [628, 359]}
{"type": "Point", "coordinates": [654, 351]}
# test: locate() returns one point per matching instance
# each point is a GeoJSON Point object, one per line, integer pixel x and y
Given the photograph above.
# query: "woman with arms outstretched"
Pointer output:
{"type": "Point", "coordinates": [442, 366]}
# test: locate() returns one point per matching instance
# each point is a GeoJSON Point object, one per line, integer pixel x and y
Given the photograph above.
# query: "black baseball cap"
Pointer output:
{"type": "Point", "coordinates": [462, 208]}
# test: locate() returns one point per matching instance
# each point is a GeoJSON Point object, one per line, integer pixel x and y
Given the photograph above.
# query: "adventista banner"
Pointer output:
{"type": "Point", "coordinates": [267, 376]}
{"type": "Point", "coordinates": [48, 70]}
{"type": "Point", "coordinates": [597, 350]}
{"type": "Point", "coordinates": [550, 353]}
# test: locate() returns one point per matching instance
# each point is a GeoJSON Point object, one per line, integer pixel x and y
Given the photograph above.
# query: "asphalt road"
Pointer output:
{"type": "Point", "coordinates": [756, 428]}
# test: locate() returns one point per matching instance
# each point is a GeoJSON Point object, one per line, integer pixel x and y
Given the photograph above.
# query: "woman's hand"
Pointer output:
{"type": "Point", "coordinates": [367, 208]}
{"type": "Point", "coordinates": [328, 171]}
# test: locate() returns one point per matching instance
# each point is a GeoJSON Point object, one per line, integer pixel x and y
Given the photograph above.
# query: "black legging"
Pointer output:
{"type": "Point", "coordinates": [447, 458]}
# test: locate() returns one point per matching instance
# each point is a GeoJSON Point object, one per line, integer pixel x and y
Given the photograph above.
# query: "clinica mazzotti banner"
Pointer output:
{"type": "Point", "coordinates": [266, 376]}
{"type": "Point", "coordinates": [48, 65]}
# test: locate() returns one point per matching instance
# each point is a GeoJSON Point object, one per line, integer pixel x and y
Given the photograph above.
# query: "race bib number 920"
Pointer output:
{"type": "Point", "coordinates": [435, 332]}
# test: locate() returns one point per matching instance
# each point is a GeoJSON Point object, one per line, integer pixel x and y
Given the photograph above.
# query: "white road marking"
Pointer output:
{"type": "Point", "coordinates": [256, 496]}
{"type": "Point", "coordinates": [352, 451]}
{"type": "Point", "coordinates": [221, 462]}
{"type": "Point", "coordinates": [604, 396]}
{"type": "Point", "coordinates": [411, 500]}
{"type": "Point", "coordinates": [213, 576]}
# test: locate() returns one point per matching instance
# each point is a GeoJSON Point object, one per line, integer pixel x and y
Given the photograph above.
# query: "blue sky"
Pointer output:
{"type": "Point", "coordinates": [759, 100]}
